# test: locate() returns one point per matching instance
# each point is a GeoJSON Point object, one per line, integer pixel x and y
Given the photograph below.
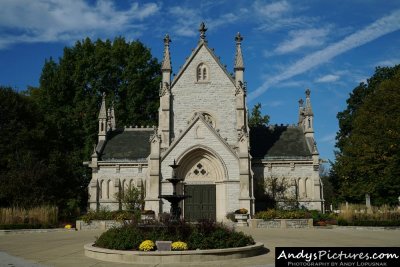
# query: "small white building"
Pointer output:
{"type": "Point", "coordinates": [203, 126]}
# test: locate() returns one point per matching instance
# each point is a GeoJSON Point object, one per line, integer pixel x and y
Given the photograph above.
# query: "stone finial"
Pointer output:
{"type": "Point", "coordinates": [202, 31]}
{"type": "Point", "coordinates": [103, 110]}
{"type": "Point", "coordinates": [167, 40]}
{"type": "Point", "coordinates": [94, 154]}
{"type": "Point", "coordinates": [301, 102]}
{"type": "Point", "coordinates": [239, 65]}
{"type": "Point", "coordinates": [238, 38]}
{"type": "Point", "coordinates": [308, 92]}
{"type": "Point", "coordinates": [308, 108]}
{"type": "Point", "coordinates": [166, 64]}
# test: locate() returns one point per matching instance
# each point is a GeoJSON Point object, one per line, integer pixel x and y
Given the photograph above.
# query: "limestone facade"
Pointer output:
{"type": "Point", "coordinates": [203, 126]}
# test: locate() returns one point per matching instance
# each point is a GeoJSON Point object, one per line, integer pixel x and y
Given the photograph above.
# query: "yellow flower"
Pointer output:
{"type": "Point", "coordinates": [147, 245]}
{"type": "Point", "coordinates": [179, 245]}
{"type": "Point", "coordinates": [68, 226]}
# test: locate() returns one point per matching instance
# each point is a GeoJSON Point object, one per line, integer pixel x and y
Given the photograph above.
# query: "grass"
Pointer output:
{"type": "Point", "coordinates": [42, 215]}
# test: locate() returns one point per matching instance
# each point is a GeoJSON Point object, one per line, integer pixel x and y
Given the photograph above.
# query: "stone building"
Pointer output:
{"type": "Point", "coordinates": [203, 126]}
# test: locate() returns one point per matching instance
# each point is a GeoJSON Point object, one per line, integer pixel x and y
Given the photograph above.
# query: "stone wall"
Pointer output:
{"type": "Point", "coordinates": [281, 223]}
{"type": "Point", "coordinates": [112, 177]}
{"type": "Point", "coordinates": [216, 97]}
{"type": "Point", "coordinates": [97, 225]}
{"type": "Point", "coordinates": [298, 175]}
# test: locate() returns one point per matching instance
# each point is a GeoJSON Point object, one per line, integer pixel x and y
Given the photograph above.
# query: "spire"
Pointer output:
{"type": "Point", "coordinates": [238, 58]}
{"type": "Point", "coordinates": [113, 124]}
{"type": "Point", "coordinates": [239, 66]}
{"type": "Point", "coordinates": [301, 111]}
{"type": "Point", "coordinates": [202, 31]}
{"type": "Point", "coordinates": [166, 65]}
{"type": "Point", "coordinates": [103, 111]}
{"type": "Point", "coordinates": [308, 117]}
{"type": "Point", "coordinates": [103, 119]}
{"type": "Point", "coordinates": [308, 109]}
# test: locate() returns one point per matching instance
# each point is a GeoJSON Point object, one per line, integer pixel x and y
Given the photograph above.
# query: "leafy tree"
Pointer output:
{"type": "Point", "coordinates": [55, 125]}
{"type": "Point", "coordinates": [368, 160]}
{"type": "Point", "coordinates": [131, 198]}
{"type": "Point", "coordinates": [23, 173]}
{"type": "Point", "coordinates": [256, 119]}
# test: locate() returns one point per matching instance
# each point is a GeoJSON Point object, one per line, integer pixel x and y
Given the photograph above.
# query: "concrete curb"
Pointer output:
{"type": "Point", "coordinates": [157, 257]}
{"type": "Point", "coordinates": [27, 231]}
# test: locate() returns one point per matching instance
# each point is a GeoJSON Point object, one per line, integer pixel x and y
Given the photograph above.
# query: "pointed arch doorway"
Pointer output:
{"type": "Point", "coordinates": [202, 171]}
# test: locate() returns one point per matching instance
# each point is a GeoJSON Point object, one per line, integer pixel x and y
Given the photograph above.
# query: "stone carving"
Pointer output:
{"type": "Point", "coordinates": [241, 89]}
{"type": "Point", "coordinates": [164, 89]}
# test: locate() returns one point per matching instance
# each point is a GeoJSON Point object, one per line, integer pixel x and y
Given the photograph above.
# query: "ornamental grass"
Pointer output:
{"type": "Point", "coordinates": [42, 215]}
{"type": "Point", "coordinates": [361, 215]}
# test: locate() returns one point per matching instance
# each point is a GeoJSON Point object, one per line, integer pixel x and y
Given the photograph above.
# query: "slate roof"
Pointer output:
{"type": "Point", "coordinates": [278, 142]}
{"type": "Point", "coordinates": [127, 145]}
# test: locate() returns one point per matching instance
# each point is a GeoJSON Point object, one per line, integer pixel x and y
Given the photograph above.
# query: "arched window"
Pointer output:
{"type": "Point", "coordinates": [101, 189]}
{"type": "Point", "coordinates": [108, 189]}
{"type": "Point", "coordinates": [202, 73]}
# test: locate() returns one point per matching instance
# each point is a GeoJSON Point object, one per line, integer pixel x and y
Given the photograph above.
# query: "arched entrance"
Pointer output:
{"type": "Point", "coordinates": [202, 170]}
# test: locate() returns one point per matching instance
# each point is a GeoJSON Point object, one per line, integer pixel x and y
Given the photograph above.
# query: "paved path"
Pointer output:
{"type": "Point", "coordinates": [61, 249]}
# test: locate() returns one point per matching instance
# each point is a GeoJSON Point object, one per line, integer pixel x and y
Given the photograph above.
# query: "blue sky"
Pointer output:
{"type": "Point", "coordinates": [327, 46]}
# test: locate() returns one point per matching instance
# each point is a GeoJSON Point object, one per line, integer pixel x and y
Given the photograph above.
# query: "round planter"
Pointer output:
{"type": "Point", "coordinates": [157, 257]}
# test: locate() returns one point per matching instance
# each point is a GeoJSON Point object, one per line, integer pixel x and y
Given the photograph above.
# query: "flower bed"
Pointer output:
{"type": "Point", "coordinates": [168, 257]}
{"type": "Point", "coordinates": [206, 235]}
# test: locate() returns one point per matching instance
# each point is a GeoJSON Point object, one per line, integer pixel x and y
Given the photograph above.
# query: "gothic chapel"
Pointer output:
{"type": "Point", "coordinates": [203, 126]}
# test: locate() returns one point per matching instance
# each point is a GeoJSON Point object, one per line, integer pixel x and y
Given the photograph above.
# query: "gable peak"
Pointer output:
{"type": "Point", "coordinates": [202, 30]}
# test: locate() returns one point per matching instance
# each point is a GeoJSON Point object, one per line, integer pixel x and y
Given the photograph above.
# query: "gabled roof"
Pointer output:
{"type": "Point", "coordinates": [278, 142]}
{"type": "Point", "coordinates": [197, 117]}
{"type": "Point", "coordinates": [127, 145]}
{"type": "Point", "coordinates": [192, 56]}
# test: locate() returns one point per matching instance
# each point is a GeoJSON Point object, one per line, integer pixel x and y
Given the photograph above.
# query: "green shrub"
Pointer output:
{"type": "Point", "coordinates": [104, 214]}
{"type": "Point", "coordinates": [123, 238]}
{"type": "Point", "coordinates": [282, 214]}
{"type": "Point", "coordinates": [205, 235]}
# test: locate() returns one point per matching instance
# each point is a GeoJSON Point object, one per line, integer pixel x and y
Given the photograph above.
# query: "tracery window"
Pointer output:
{"type": "Point", "coordinates": [202, 73]}
{"type": "Point", "coordinates": [199, 170]}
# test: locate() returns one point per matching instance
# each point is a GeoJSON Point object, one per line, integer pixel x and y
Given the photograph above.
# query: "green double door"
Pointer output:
{"type": "Point", "coordinates": [202, 203]}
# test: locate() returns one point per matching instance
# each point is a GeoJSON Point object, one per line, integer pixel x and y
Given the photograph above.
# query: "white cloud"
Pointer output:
{"type": "Point", "coordinates": [373, 31]}
{"type": "Point", "coordinates": [388, 62]}
{"type": "Point", "coordinates": [275, 104]}
{"type": "Point", "coordinates": [302, 38]}
{"type": "Point", "coordinates": [329, 138]}
{"type": "Point", "coordinates": [277, 15]}
{"type": "Point", "coordinates": [328, 78]}
{"type": "Point", "coordinates": [272, 10]}
{"type": "Point", "coordinates": [59, 20]}
{"type": "Point", "coordinates": [187, 20]}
